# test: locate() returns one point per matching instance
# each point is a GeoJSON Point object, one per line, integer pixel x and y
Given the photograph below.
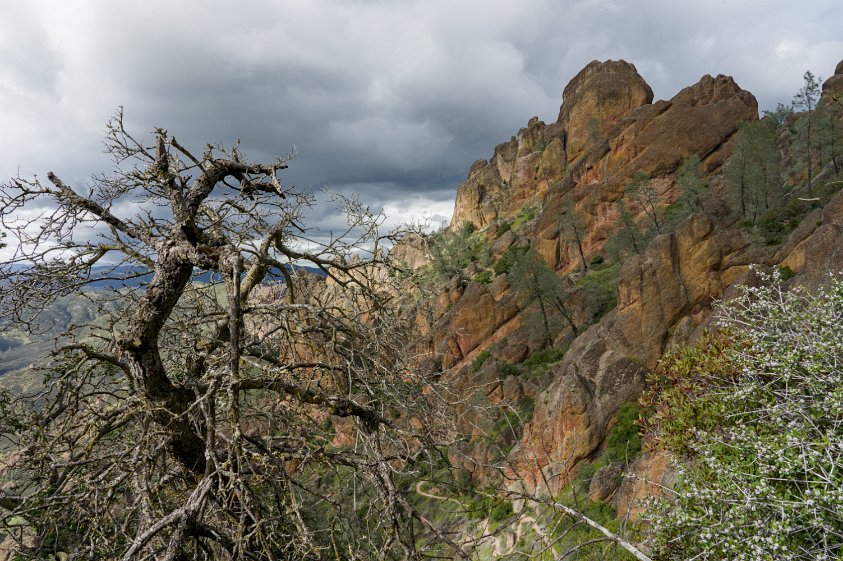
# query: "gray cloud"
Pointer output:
{"type": "Point", "coordinates": [391, 99]}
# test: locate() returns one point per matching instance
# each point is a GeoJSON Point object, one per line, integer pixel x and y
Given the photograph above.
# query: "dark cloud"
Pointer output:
{"type": "Point", "coordinates": [390, 99]}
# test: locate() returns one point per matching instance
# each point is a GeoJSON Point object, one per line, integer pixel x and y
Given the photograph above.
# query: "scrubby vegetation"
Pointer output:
{"type": "Point", "coordinates": [763, 472]}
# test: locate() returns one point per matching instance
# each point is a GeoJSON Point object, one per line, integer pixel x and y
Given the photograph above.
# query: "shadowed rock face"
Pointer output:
{"type": "Point", "coordinates": [664, 295]}
{"type": "Point", "coordinates": [833, 87]}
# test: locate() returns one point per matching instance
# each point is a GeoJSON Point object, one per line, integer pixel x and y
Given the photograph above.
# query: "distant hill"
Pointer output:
{"type": "Point", "coordinates": [126, 276]}
{"type": "Point", "coordinates": [20, 350]}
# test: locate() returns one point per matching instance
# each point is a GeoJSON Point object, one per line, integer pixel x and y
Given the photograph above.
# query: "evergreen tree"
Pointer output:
{"type": "Point", "coordinates": [572, 230]}
{"type": "Point", "coordinates": [642, 191]}
{"type": "Point", "coordinates": [629, 238]}
{"type": "Point", "coordinates": [540, 291]}
{"type": "Point", "coordinates": [692, 187]}
{"type": "Point", "coordinates": [752, 171]}
{"type": "Point", "coordinates": [806, 99]}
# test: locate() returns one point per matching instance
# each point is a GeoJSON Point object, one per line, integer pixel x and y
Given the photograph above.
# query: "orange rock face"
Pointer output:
{"type": "Point", "coordinates": [597, 98]}
{"type": "Point", "coordinates": [609, 129]}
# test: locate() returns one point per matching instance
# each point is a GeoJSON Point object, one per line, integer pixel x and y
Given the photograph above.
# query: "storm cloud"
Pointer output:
{"type": "Point", "coordinates": [393, 100]}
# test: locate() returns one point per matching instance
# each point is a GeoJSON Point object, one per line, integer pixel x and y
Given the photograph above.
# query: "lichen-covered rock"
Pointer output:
{"type": "Point", "coordinates": [571, 417]}
{"type": "Point", "coordinates": [472, 320]}
{"type": "Point", "coordinates": [654, 139]}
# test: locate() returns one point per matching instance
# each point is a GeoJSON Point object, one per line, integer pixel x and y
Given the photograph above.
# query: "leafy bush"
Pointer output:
{"type": "Point", "coordinates": [600, 286]}
{"type": "Point", "coordinates": [543, 357]}
{"type": "Point", "coordinates": [527, 213]}
{"type": "Point", "coordinates": [585, 473]}
{"type": "Point", "coordinates": [483, 277]}
{"type": "Point", "coordinates": [482, 503]}
{"type": "Point", "coordinates": [623, 442]}
{"type": "Point", "coordinates": [503, 229]}
{"type": "Point", "coordinates": [451, 252]}
{"type": "Point", "coordinates": [570, 535]}
{"type": "Point", "coordinates": [462, 479]}
{"type": "Point", "coordinates": [764, 476]}
{"type": "Point", "coordinates": [501, 511]}
{"type": "Point", "coordinates": [507, 369]}
{"type": "Point", "coordinates": [786, 273]}
{"type": "Point", "coordinates": [467, 228]}
{"type": "Point", "coordinates": [479, 360]}
{"type": "Point", "coordinates": [502, 265]}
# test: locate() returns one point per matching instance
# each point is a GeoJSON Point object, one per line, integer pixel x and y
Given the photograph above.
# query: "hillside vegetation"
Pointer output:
{"type": "Point", "coordinates": [627, 345]}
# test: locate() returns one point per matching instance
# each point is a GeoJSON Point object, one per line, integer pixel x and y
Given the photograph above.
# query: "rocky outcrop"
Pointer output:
{"type": "Point", "coordinates": [473, 317]}
{"type": "Point", "coordinates": [522, 170]}
{"type": "Point", "coordinates": [833, 87]}
{"type": "Point", "coordinates": [572, 415]}
{"type": "Point", "coordinates": [654, 140]}
{"type": "Point", "coordinates": [608, 129]}
{"type": "Point", "coordinates": [411, 252]}
{"type": "Point", "coordinates": [597, 98]}
{"type": "Point", "coordinates": [663, 296]}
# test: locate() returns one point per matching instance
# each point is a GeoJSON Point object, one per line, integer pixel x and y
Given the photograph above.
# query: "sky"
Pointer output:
{"type": "Point", "coordinates": [390, 99]}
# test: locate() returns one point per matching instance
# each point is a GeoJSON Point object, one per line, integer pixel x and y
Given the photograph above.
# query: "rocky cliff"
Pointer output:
{"type": "Point", "coordinates": [609, 132]}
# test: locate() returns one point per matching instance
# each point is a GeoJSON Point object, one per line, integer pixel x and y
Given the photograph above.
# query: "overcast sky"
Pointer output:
{"type": "Point", "coordinates": [391, 99]}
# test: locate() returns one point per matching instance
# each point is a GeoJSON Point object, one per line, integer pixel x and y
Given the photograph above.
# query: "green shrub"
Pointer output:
{"type": "Point", "coordinates": [478, 361]}
{"type": "Point", "coordinates": [585, 473]}
{"type": "Point", "coordinates": [467, 228]}
{"type": "Point", "coordinates": [756, 424]}
{"type": "Point", "coordinates": [507, 369]}
{"type": "Point", "coordinates": [502, 265]}
{"type": "Point", "coordinates": [527, 213]}
{"type": "Point", "coordinates": [463, 479]}
{"type": "Point", "coordinates": [624, 442]}
{"type": "Point", "coordinates": [501, 511]}
{"type": "Point", "coordinates": [526, 409]}
{"type": "Point", "coordinates": [600, 287]}
{"type": "Point", "coordinates": [483, 277]}
{"type": "Point", "coordinates": [543, 357]}
{"type": "Point", "coordinates": [503, 229]}
{"type": "Point", "coordinates": [596, 260]}
{"type": "Point", "coordinates": [480, 504]}
{"type": "Point", "coordinates": [786, 273]}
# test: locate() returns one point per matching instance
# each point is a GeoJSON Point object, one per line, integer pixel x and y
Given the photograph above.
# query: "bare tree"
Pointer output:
{"type": "Point", "coordinates": [231, 418]}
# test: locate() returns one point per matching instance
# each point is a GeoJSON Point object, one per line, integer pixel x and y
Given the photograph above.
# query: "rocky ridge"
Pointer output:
{"type": "Point", "coordinates": [608, 130]}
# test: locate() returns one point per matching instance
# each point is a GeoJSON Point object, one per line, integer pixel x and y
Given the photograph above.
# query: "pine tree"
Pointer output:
{"type": "Point", "coordinates": [753, 172]}
{"type": "Point", "coordinates": [572, 229]}
{"type": "Point", "coordinates": [806, 99]}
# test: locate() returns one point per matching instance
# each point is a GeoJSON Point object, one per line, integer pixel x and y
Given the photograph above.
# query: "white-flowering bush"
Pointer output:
{"type": "Point", "coordinates": [763, 444]}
